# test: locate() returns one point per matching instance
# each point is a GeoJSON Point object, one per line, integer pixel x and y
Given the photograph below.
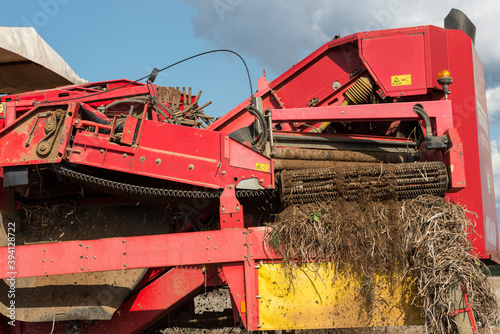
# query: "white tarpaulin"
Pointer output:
{"type": "Point", "coordinates": [27, 62]}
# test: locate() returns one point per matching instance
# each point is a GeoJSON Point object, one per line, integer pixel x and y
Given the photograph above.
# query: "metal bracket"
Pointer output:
{"type": "Point", "coordinates": [231, 211]}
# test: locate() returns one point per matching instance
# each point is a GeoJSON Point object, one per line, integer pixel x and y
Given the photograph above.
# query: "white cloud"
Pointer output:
{"type": "Point", "coordinates": [493, 101]}
{"type": "Point", "coordinates": [495, 158]}
{"type": "Point", "coordinates": [280, 33]}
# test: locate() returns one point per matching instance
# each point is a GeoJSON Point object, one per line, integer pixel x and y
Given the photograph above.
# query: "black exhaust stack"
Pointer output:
{"type": "Point", "coordinates": [456, 19]}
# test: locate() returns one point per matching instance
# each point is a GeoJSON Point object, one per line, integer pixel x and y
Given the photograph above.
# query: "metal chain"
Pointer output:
{"type": "Point", "coordinates": [147, 191]}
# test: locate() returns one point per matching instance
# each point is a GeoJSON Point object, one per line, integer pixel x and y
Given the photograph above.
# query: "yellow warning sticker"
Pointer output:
{"type": "Point", "coordinates": [262, 167]}
{"type": "Point", "coordinates": [401, 80]}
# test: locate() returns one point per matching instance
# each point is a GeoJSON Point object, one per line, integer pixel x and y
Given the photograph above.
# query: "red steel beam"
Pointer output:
{"type": "Point", "coordinates": [370, 112]}
{"type": "Point", "coordinates": [155, 301]}
{"type": "Point", "coordinates": [165, 250]}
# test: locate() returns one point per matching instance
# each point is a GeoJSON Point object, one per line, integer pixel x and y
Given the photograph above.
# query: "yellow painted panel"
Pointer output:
{"type": "Point", "coordinates": [320, 299]}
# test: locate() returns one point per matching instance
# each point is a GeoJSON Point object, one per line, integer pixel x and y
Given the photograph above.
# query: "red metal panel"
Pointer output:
{"type": "Point", "coordinates": [397, 63]}
{"type": "Point", "coordinates": [129, 130]}
{"type": "Point", "coordinates": [485, 161]}
{"type": "Point", "coordinates": [231, 211]}
{"type": "Point", "coordinates": [454, 159]}
{"type": "Point", "coordinates": [235, 277]}
{"type": "Point", "coordinates": [467, 99]}
{"type": "Point", "coordinates": [154, 302]}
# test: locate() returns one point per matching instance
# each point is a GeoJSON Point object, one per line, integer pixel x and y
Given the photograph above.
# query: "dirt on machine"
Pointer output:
{"type": "Point", "coordinates": [353, 191]}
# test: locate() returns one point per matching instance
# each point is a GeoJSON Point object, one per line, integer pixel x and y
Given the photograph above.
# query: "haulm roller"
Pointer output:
{"type": "Point", "coordinates": [372, 181]}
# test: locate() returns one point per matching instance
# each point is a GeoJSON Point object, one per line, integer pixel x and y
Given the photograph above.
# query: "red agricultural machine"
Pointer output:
{"type": "Point", "coordinates": [121, 201]}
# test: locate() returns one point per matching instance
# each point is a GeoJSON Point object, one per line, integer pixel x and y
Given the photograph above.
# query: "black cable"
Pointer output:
{"type": "Point", "coordinates": [263, 138]}
{"type": "Point", "coordinates": [163, 69]}
{"type": "Point", "coordinates": [213, 51]}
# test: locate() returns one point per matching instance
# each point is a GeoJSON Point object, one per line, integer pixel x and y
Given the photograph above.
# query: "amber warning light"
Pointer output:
{"type": "Point", "coordinates": [444, 79]}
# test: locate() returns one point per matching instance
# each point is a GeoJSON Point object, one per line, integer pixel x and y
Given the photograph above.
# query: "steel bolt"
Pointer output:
{"type": "Point", "coordinates": [86, 257]}
{"type": "Point", "coordinates": [44, 250]}
{"type": "Point", "coordinates": [43, 260]}
{"type": "Point", "coordinates": [237, 208]}
{"type": "Point", "coordinates": [258, 296]}
{"type": "Point", "coordinates": [45, 271]}
{"type": "Point", "coordinates": [124, 155]}
{"type": "Point", "coordinates": [226, 137]}
{"type": "Point", "coordinates": [215, 248]}
{"type": "Point", "coordinates": [88, 247]}
{"type": "Point", "coordinates": [207, 248]}
{"type": "Point", "coordinates": [81, 245]}
{"type": "Point", "coordinates": [223, 172]}
{"type": "Point", "coordinates": [223, 209]}
{"type": "Point", "coordinates": [142, 158]}
{"type": "Point", "coordinates": [242, 177]}
{"type": "Point", "coordinates": [158, 161]}
{"type": "Point", "coordinates": [191, 167]}
{"type": "Point", "coordinates": [230, 186]}
{"type": "Point", "coordinates": [342, 112]}
{"type": "Point", "coordinates": [95, 257]}
{"type": "Point", "coordinates": [123, 241]}
{"type": "Point", "coordinates": [102, 151]}
{"type": "Point", "coordinates": [82, 268]}
{"type": "Point", "coordinates": [209, 259]}
{"type": "Point", "coordinates": [261, 180]}
{"type": "Point", "coordinates": [125, 266]}
{"type": "Point", "coordinates": [76, 122]}
{"type": "Point", "coordinates": [52, 260]}
{"type": "Point", "coordinates": [208, 237]}
{"type": "Point", "coordinates": [246, 256]}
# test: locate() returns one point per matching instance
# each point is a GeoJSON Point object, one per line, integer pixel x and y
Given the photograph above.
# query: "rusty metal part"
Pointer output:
{"type": "Point", "coordinates": [286, 164]}
{"type": "Point", "coordinates": [51, 129]}
{"type": "Point", "coordinates": [339, 155]}
{"type": "Point", "coordinates": [32, 130]}
{"type": "Point", "coordinates": [379, 182]}
{"type": "Point", "coordinates": [342, 143]}
{"type": "Point", "coordinates": [192, 114]}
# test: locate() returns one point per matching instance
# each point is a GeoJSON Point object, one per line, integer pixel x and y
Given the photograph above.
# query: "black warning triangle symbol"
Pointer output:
{"type": "Point", "coordinates": [396, 81]}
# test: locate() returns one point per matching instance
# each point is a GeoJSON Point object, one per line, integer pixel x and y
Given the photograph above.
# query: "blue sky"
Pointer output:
{"type": "Point", "coordinates": [103, 40]}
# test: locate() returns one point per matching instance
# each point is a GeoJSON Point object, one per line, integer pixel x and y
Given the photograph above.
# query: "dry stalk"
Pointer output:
{"type": "Point", "coordinates": [427, 239]}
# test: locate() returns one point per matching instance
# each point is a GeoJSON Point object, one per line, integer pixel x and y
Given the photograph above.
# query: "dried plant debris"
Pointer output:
{"type": "Point", "coordinates": [426, 239]}
{"type": "Point", "coordinates": [191, 113]}
{"type": "Point", "coordinates": [39, 220]}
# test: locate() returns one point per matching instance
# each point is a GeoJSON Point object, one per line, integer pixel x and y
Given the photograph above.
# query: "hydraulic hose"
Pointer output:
{"type": "Point", "coordinates": [419, 110]}
{"type": "Point", "coordinates": [265, 131]}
